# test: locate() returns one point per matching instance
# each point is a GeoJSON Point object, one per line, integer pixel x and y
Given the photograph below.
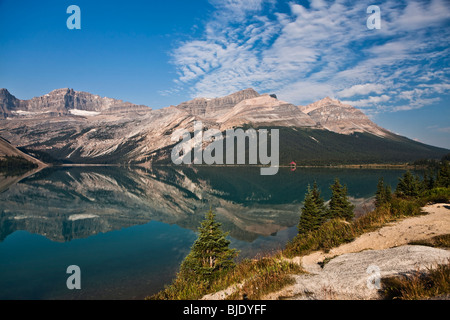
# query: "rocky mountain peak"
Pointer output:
{"type": "Point", "coordinates": [213, 108]}
{"type": "Point", "coordinates": [62, 102]}
{"type": "Point", "coordinates": [7, 103]}
{"type": "Point", "coordinates": [338, 117]}
{"type": "Point", "coordinates": [265, 110]}
{"type": "Point", "coordinates": [4, 92]}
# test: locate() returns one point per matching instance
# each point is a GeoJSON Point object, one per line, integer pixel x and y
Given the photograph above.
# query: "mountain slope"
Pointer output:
{"type": "Point", "coordinates": [63, 102]}
{"type": "Point", "coordinates": [7, 150]}
{"type": "Point", "coordinates": [265, 111]}
{"type": "Point", "coordinates": [76, 127]}
{"type": "Point", "coordinates": [322, 147]}
{"type": "Point", "coordinates": [335, 116]}
{"type": "Point", "coordinates": [211, 109]}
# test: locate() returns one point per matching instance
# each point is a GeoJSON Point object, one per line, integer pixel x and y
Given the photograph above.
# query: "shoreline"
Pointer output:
{"type": "Point", "coordinates": [342, 272]}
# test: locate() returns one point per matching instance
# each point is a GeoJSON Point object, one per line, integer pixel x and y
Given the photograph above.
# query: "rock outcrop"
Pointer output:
{"type": "Point", "coordinates": [8, 103]}
{"type": "Point", "coordinates": [335, 116]}
{"type": "Point", "coordinates": [355, 275]}
{"type": "Point", "coordinates": [62, 102]}
{"type": "Point", "coordinates": [265, 111]}
{"type": "Point", "coordinates": [214, 108]}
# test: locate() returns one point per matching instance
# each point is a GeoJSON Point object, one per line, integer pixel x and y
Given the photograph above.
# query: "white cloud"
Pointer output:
{"type": "Point", "coordinates": [362, 89]}
{"type": "Point", "coordinates": [321, 50]}
{"type": "Point", "coordinates": [416, 104]}
{"type": "Point", "coordinates": [370, 101]}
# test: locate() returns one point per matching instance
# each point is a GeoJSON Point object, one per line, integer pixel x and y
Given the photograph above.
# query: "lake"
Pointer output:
{"type": "Point", "coordinates": [128, 229]}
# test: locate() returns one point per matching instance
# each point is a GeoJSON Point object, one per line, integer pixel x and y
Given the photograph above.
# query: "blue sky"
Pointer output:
{"type": "Point", "coordinates": [160, 53]}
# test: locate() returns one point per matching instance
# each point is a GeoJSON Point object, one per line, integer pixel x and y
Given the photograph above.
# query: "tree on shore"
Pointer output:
{"type": "Point", "coordinates": [428, 182]}
{"type": "Point", "coordinates": [210, 254]}
{"type": "Point", "coordinates": [340, 206]}
{"type": "Point", "coordinates": [309, 218]}
{"type": "Point", "coordinates": [320, 203]}
{"type": "Point", "coordinates": [383, 194]}
{"type": "Point", "coordinates": [408, 185]}
{"type": "Point", "coordinates": [443, 176]}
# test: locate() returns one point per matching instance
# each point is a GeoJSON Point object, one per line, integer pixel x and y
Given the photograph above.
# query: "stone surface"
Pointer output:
{"type": "Point", "coordinates": [61, 102]}
{"type": "Point", "coordinates": [347, 276]}
{"type": "Point", "coordinates": [335, 116]}
{"type": "Point", "coordinates": [214, 108]}
{"type": "Point", "coordinates": [265, 111]}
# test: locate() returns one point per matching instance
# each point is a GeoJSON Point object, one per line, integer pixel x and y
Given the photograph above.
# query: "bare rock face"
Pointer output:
{"type": "Point", "coordinates": [7, 103]}
{"type": "Point", "coordinates": [354, 275]}
{"type": "Point", "coordinates": [63, 102]}
{"type": "Point", "coordinates": [214, 108]}
{"type": "Point", "coordinates": [335, 116]}
{"type": "Point", "coordinates": [265, 110]}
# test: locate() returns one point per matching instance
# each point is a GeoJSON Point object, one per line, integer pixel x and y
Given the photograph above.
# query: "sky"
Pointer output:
{"type": "Point", "coordinates": [161, 53]}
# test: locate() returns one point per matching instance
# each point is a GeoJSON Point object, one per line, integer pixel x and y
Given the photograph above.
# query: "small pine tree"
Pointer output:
{"type": "Point", "coordinates": [380, 198]}
{"type": "Point", "coordinates": [340, 206]}
{"type": "Point", "coordinates": [311, 215]}
{"type": "Point", "coordinates": [210, 253]}
{"type": "Point", "coordinates": [320, 203]}
{"type": "Point", "coordinates": [428, 182]}
{"type": "Point", "coordinates": [388, 193]}
{"type": "Point", "coordinates": [408, 185]}
{"type": "Point", "coordinates": [443, 177]}
{"type": "Point", "coordinates": [383, 194]}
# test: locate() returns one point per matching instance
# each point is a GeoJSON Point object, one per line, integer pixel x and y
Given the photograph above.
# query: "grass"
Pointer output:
{"type": "Point", "coordinates": [259, 277]}
{"type": "Point", "coordinates": [442, 241]}
{"type": "Point", "coordinates": [336, 232]}
{"type": "Point", "coordinates": [433, 283]}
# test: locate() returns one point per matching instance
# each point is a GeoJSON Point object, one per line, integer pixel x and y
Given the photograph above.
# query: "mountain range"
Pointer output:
{"type": "Point", "coordinates": [67, 126]}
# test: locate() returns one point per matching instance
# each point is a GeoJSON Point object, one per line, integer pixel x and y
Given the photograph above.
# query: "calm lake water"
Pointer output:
{"type": "Point", "coordinates": [129, 229]}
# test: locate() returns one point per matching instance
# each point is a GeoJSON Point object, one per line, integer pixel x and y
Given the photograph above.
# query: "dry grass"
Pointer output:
{"type": "Point", "coordinates": [336, 232]}
{"type": "Point", "coordinates": [442, 241]}
{"type": "Point", "coordinates": [258, 276]}
{"type": "Point", "coordinates": [431, 284]}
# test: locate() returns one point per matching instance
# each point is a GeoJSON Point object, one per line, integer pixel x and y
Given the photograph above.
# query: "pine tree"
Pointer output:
{"type": "Point", "coordinates": [340, 206]}
{"type": "Point", "coordinates": [443, 177]}
{"type": "Point", "coordinates": [428, 180]}
{"type": "Point", "coordinates": [311, 215]}
{"type": "Point", "coordinates": [388, 193]}
{"type": "Point", "coordinates": [408, 185]}
{"type": "Point", "coordinates": [210, 253]}
{"type": "Point", "coordinates": [383, 194]}
{"type": "Point", "coordinates": [320, 203]}
{"type": "Point", "coordinates": [380, 198]}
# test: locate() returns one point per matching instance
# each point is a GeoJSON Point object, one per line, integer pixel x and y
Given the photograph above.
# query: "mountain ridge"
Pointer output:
{"type": "Point", "coordinates": [63, 102]}
{"type": "Point", "coordinates": [78, 127]}
{"type": "Point", "coordinates": [7, 150]}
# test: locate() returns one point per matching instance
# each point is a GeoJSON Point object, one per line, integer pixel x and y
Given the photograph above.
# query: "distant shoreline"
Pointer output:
{"type": "Point", "coordinates": [341, 166]}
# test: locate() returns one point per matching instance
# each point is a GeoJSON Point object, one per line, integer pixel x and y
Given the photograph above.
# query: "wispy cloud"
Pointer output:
{"type": "Point", "coordinates": [324, 49]}
{"type": "Point", "coordinates": [362, 89]}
